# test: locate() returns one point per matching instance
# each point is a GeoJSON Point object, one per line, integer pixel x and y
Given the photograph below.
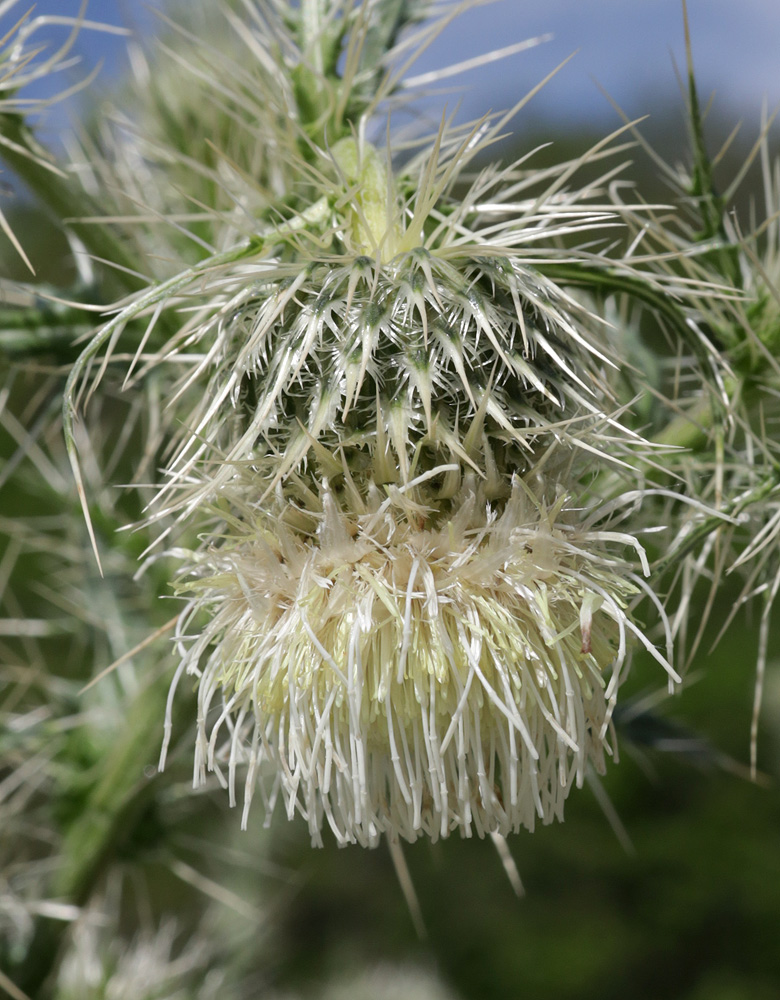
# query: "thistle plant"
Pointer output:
{"type": "Point", "coordinates": [400, 457]}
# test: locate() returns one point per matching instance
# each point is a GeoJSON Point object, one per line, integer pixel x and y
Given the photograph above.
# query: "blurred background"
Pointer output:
{"type": "Point", "coordinates": [667, 882]}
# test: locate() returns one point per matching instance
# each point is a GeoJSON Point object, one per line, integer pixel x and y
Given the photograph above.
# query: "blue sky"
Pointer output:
{"type": "Point", "coordinates": [626, 45]}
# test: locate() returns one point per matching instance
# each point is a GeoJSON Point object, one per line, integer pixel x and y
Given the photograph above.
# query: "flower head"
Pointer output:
{"type": "Point", "coordinates": [367, 376]}
{"type": "Point", "coordinates": [405, 673]}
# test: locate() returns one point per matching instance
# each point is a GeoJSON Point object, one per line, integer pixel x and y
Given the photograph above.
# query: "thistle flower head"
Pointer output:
{"type": "Point", "coordinates": [404, 673]}
{"type": "Point", "coordinates": [367, 376]}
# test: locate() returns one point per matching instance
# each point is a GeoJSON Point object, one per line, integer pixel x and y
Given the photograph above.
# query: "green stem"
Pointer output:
{"type": "Point", "coordinates": [311, 30]}
{"type": "Point", "coordinates": [608, 281]}
{"type": "Point", "coordinates": [109, 820]}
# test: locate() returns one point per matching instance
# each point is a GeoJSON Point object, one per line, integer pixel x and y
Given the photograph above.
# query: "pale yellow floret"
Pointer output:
{"type": "Point", "coordinates": [406, 679]}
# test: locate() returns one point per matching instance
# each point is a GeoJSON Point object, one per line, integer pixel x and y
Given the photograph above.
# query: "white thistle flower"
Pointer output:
{"type": "Point", "coordinates": [401, 676]}
{"type": "Point", "coordinates": [364, 374]}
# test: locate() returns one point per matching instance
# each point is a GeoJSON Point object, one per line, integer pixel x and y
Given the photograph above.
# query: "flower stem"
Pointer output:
{"type": "Point", "coordinates": [109, 822]}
